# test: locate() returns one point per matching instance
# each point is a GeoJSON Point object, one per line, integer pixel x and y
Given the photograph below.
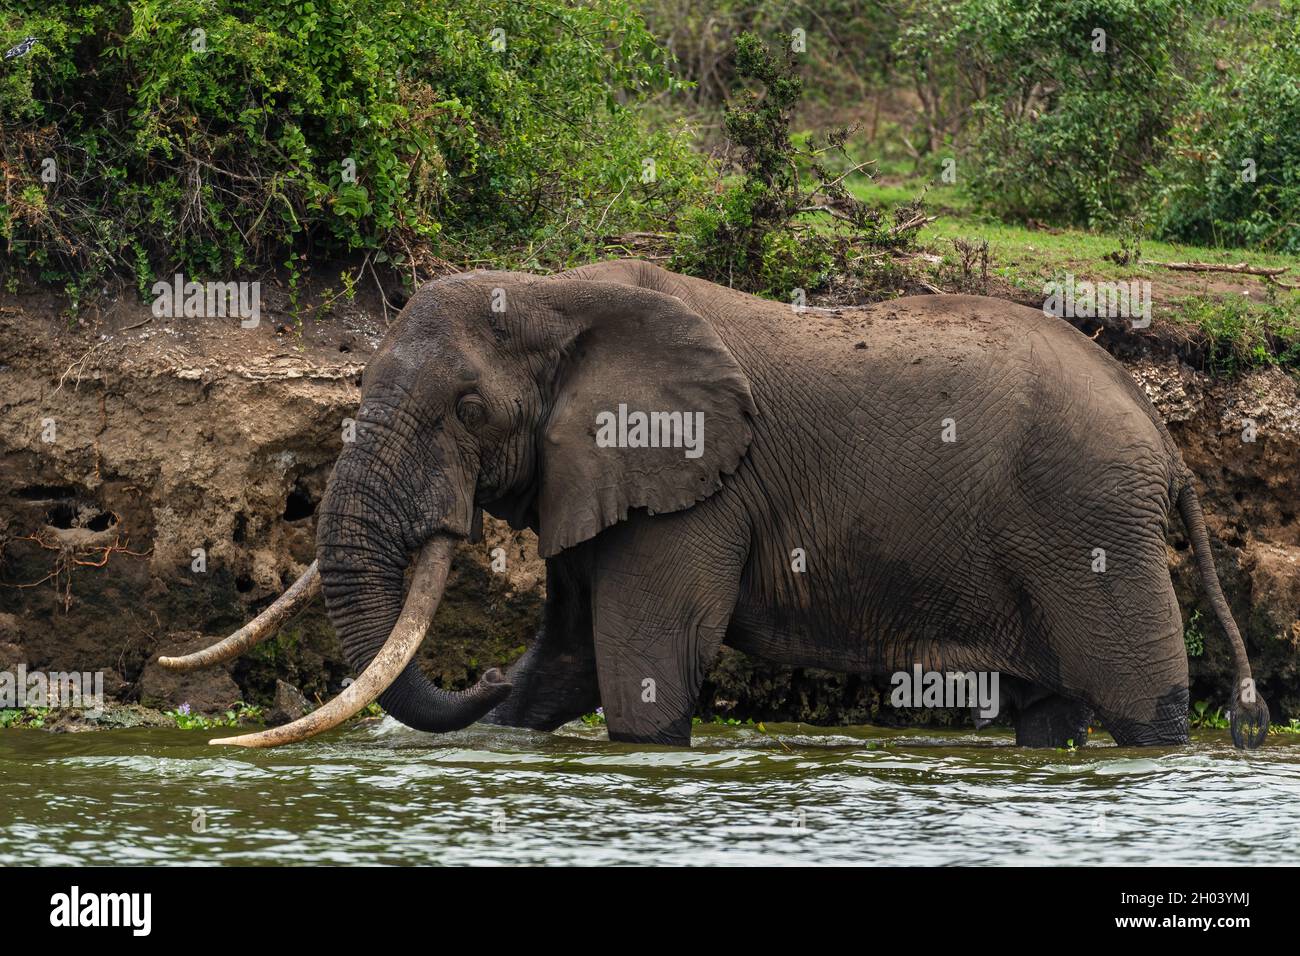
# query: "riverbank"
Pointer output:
{"type": "Point", "coordinates": [160, 478]}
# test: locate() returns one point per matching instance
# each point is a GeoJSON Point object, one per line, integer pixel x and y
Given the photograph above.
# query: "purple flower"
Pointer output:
{"type": "Point", "coordinates": [184, 709]}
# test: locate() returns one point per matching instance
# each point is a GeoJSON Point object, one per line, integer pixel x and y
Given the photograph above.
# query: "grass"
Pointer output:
{"type": "Point", "coordinates": [1240, 322]}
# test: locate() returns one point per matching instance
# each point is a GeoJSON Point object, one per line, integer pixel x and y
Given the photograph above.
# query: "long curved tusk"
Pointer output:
{"type": "Point", "coordinates": [422, 599]}
{"type": "Point", "coordinates": [255, 631]}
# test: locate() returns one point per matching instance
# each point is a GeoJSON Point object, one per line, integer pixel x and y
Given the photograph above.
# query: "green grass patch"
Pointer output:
{"type": "Point", "coordinates": [1236, 332]}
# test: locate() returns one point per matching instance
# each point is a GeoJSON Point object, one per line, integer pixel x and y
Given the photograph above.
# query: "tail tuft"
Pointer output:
{"type": "Point", "coordinates": [1249, 720]}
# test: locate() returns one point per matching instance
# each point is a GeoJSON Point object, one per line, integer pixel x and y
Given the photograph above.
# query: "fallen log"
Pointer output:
{"type": "Point", "coordinates": [1242, 268]}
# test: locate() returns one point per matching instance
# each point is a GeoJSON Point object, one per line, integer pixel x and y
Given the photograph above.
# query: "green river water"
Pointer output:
{"type": "Point", "coordinates": [377, 793]}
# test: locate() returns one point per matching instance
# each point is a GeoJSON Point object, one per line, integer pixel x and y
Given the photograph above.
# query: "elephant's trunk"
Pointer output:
{"type": "Point", "coordinates": [396, 654]}
{"type": "Point", "coordinates": [362, 607]}
{"type": "Point", "coordinates": [363, 559]}
{"type": "Point", "coordinates": [362, 546]}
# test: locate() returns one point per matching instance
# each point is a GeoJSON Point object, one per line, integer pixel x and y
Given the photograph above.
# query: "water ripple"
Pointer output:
{"type": "Point", "coordinates": [381, 794]}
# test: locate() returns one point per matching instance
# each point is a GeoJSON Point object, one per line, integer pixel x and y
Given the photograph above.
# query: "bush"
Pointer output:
{"type": "Point", "coordinates": [754, 233]}
{"type": "Point", "coordinates": [1232, 172]}
{"type": "Point", "coordinates": [220, 135]}
{"type": "Point", "coordinates": [1060, 127]}
{"type": "Point", "coordinates": [847, 42]}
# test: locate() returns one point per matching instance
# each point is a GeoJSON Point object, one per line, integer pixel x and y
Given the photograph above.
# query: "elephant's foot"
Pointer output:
{"type": "Point", "coordinates": [550, 688]}
{"type": "Point", "coordinates": [542, 701]}
{"type": "Point", "coordinates": [1166, 727]}
{"type": "Point", "coordinates": [1053, 721]}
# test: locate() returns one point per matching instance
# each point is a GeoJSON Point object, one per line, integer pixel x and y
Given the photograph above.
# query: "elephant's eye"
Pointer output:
{"type": "Point", "coordinates": [471, 410]}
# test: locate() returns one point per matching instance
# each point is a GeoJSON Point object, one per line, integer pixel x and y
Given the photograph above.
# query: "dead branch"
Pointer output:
{"type": "Point", "coordinates": [1241, 268]}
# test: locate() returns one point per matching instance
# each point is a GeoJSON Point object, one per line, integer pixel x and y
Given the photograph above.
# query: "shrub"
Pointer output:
{"type": "Point", "coordinates": [755, 233]}
{"type": "Point", "coordinates": [1232, 171]}
{"type": "Point", "coordinates": [221, 135]}
{"type": "Point", "coordinates": [1064, 120]}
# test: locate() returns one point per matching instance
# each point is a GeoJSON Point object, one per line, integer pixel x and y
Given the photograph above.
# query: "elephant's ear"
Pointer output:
{"type": "Point", "coordinates": [631, 350]}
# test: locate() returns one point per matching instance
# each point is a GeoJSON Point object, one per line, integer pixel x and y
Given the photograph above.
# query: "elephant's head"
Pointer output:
{"type": "Point", "coordinates": [487, 393]}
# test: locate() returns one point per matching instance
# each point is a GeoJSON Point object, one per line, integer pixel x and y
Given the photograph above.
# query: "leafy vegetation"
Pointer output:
{"type": "Point", "coordinates": [237, 716]}
{"type": "Point", "coordinates": [33, 717]}
{"type": "Point", "coordinates": [1229, 175]}
{"type": "Point", "coordinates": [1066, 102]}
{"type": "Point", "coordinates": [1203, 718]}
{"type": "Point", "coordinates": [219, 136]}
{"type": "Point", "coordinates": [753, 235]}
{"type": "Point", "coordinates": [1194, 634]}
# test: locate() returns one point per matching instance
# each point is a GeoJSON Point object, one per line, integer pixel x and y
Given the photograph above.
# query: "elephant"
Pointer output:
{"type": "Point", "coordinates": [950, 481]}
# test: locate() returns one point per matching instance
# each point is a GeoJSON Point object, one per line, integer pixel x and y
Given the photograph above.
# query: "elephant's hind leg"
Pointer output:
{"type": "Point", "coordinates": [1138, 681]}
{"type": "Point", "coordinates": [1118, 643]}
{"type": "Point", "coordinates": [1166, 727]}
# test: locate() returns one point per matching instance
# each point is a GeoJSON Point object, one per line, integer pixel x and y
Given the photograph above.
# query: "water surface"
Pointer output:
{"type": "Point", "coordinates": [378, 793]}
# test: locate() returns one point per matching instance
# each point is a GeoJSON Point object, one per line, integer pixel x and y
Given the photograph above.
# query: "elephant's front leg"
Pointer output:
{"type": "Point", "coordinates": [555, 680]}
{"type": "Point", "coordinates": [663, 590]}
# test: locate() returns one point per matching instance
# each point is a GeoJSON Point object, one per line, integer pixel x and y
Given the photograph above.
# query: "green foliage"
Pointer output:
{"type": "Point", "coordinates": [754, 233]}
{"type": "Point", "coordinates": [216, 136]}
{"type": "Point", "coordinates": [1205, 719]}
{"type": "Point", "coordinates": [1240, 335]}
{"type": "Point", "coordinates": [1157, 126]}
{"type": "Point", "coordinates": [236, 716]}
{"type": "Point", "coordinates": [1231, 175]}
{"type": "Point", "coordinates": [1193, 635]}
{"type": "Point", "coordinates": [33, 717]}
{"type": "Point", "coordinates": [1061, 128]}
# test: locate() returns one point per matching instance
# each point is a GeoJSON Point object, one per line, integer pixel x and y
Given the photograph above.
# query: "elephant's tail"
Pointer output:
{"type": "Point", "coordinates": [1249, 719]}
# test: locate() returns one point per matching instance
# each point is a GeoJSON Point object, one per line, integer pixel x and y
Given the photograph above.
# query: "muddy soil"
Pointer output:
{"type": "Point", "coordinates": [159, 480]}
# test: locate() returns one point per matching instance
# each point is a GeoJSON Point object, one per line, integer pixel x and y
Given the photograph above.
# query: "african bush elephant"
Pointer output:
{"type": "Point", "coordinates": [953, 481]}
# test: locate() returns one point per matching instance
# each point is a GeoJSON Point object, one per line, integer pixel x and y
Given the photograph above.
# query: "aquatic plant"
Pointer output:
{"type": "Point", "coordinates": [240, 713]}
{"type": "Point", "coordinates": [23, 717]}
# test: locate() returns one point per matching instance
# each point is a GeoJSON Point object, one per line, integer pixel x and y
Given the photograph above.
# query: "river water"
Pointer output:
{"type": "Point", "coordinates": [378, 793]}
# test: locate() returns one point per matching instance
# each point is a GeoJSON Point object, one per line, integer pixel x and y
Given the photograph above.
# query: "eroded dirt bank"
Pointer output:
{"type": "Point", "coordinates": [130, 443]}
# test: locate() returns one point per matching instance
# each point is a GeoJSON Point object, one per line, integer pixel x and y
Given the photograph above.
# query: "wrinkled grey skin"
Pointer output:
{"type": "Point", "coordinates": [822, 433]}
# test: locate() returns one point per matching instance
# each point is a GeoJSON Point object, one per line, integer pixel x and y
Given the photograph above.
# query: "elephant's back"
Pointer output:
{"type": "Point", "coordinates": [958, 388]}
{"type": "Point", "coordinates": [981, 343]}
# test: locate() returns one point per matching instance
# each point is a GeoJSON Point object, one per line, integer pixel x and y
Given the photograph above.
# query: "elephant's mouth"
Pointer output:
{"type": "Point", "coordinates": [428, 579]}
